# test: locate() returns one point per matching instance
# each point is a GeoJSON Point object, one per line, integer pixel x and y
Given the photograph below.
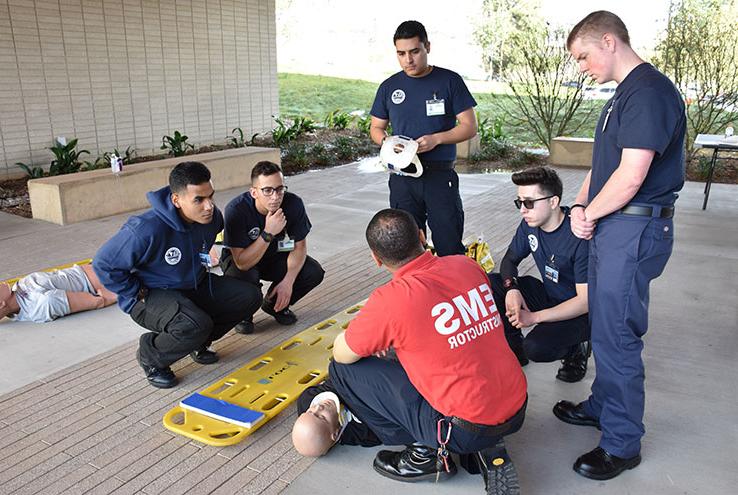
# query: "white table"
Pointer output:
{"type": "Point", "coordinates": [717, 143]}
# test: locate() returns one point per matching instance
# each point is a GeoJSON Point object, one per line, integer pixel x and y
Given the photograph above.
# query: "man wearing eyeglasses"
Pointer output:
{"type": "Point", "coordinates": [265, 237]}
{"type": "Point", "coordinates": [556, 305]}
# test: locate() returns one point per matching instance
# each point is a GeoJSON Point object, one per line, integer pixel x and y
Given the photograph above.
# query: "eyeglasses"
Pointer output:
{"type": "Point", "coordinates": [269, 191]}
{"type": "Point", "coordinates": [529, 203]}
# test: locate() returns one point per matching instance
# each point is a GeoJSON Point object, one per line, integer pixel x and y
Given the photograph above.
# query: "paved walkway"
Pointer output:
{"type": "Point", "coordinates": [79, 418]}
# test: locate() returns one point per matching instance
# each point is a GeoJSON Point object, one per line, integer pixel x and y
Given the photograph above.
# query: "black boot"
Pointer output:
{"type": "Point", "coordinates": [574, 366]}
{"type": "Point", "coordinates": [500, 476]}
{"type": "Point", "coordinates": [415, 463]}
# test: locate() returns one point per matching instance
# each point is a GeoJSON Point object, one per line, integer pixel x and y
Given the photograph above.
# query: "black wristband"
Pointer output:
{"type": "Point", "coordinates": [577, 205]}
{"type": "Point", "coordinates": [267, 236]}
{"type": "Point", "coordinates": [510, 283]}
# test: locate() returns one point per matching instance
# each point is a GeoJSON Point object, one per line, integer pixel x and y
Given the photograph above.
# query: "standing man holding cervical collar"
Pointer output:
{"type": "Point", "coordinates": [424, 102]}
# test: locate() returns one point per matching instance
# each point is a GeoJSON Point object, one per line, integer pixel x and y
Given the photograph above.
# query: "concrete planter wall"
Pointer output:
{"type": "Point", "coordinates": [575, 152]}
{"type": "Point", "coordinates": [72, 198]}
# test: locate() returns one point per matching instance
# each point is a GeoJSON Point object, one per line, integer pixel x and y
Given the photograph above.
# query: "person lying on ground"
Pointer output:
{"type": "Point", "coordinates": [45, 296]}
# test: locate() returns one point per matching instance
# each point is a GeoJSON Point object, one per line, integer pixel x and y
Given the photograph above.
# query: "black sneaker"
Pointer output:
{"type": "Point", "coordinates": [415, 463]}
{"type": "Point", "coordinates": [204, 356]}
{"type": "Point", "coordinates": [246, 327]}
{"type": "Point", "coordinates": [284, 317]}
{"type": "Point", "coordinates": [498, 471]}
{"type": "Point", "coordinates": [158, 377]}
{"type": "Point", "coordinates": [574, 366]}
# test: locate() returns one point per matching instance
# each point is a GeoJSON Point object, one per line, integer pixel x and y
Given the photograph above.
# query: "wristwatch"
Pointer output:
{"type": "Point", "coordinates": [510, 283]}
{"type": "Point", "coordinates": [267, 236]}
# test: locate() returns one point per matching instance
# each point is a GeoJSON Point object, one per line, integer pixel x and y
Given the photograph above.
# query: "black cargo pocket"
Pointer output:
{"type": "Point", "coordinates": [158, 319]}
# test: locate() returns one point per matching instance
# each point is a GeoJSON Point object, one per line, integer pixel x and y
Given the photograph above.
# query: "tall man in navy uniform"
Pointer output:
{"type": "Point", "coordinates": [265, 237]}
{"type": "Point", "coordinates": [424, 102]}
{"type": "Point", "coordinates": [625, 206]}
{"type": "Point", "coordinates": [556, 305]}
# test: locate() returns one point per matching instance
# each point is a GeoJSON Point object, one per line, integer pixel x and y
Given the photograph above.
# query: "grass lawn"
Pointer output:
{"type": "Point", "coordinates": [316, 96]}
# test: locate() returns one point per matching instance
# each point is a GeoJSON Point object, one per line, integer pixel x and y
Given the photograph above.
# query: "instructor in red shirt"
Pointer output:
{"type": "Point", "coordinates": [457, 386]}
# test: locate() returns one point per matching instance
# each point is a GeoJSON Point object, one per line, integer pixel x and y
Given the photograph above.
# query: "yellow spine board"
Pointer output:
{"type": "Point", "coordinates": [11, 281]}
{"type": "Point", "coordinates": [267, 384]}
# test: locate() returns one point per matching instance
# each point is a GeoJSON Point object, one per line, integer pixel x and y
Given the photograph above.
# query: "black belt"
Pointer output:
{"type": "Point", "coordinates": [438, 164]}
{"type": "Point", "coordinates": [649, 211]}
{"type": "Point", "coordinates": [509, 426]}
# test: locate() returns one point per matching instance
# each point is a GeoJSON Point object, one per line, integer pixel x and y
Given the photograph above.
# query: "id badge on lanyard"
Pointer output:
{"type": "Point", "coordinates": [204, 256]}
{"type": "Point", "coordinates": [285, 245]}
{"type": "Point", "coordinates": [552, 271]}
{"type": "Point", "coordinates": [435, 106]}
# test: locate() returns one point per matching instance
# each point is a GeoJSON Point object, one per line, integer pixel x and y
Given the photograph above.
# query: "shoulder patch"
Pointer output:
{"type": "Point", "coordinates": [533, 242]}
{"type": "Point", "coordinates": [254, 233]}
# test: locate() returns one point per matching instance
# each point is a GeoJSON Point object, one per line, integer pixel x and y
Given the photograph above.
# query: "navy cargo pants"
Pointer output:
{"type": "Point", "coordinates": [625, 254]}
{"type": "Point", "coordinates": [433, 198]}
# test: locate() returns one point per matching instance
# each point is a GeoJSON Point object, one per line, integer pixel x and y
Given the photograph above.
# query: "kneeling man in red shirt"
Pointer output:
{"type": "Point", "coordinates": [457, 386]}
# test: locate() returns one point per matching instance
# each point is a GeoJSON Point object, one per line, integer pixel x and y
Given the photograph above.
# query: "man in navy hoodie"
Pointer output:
{"type": "Point", "coordinates": [158, 264]}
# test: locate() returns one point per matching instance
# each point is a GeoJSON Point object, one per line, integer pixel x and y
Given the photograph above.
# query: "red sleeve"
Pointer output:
{"type": "Point", "coordinates": [371, 330]}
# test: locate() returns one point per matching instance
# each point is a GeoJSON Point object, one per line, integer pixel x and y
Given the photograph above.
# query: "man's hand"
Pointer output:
{"type": "Point", "coordinates": [523, 318]}
{"type": "Point", "coordinates": [514, 303]}
{"type": "Point", "coordinates": [275, 222]}
{"type": "Point", "coordinates": [427, 142]}
{"type": "Point", "coordinates": [580, 226]}
{"type": "Point", "coordinates": [281, 294]}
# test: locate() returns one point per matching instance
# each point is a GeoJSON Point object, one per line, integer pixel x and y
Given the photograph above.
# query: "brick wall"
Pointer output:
{"type": "Point", "coordinates": [118, 73]}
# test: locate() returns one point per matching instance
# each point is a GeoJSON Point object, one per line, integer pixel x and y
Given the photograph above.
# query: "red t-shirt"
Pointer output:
{"type": "Point", "coordinates": [439, 316]}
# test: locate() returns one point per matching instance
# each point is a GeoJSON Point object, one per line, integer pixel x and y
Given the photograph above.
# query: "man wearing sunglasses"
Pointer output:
{"type": "Point", "coordinates": [265, 237]}
{"type": "Point", "coordinates": [556, 305]}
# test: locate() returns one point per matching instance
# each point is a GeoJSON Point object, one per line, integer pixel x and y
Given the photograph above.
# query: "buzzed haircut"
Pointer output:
{"type": "Point", "coordinates": [411, 29]}
{"type": "Point", "coordinates": [265, 168]}
{"type": "Point", "coordinates": [393, 237]}
{"type": "Point", "coordinates": [187, 173]}
{"type": "Point", "coordinates": [598, 23]}
{"type": "Point", "coordinates": [545, 177]}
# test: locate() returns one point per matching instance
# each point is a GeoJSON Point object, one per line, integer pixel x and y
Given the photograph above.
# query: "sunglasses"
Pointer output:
{"type": "Point", "coordinates": [529, 203]}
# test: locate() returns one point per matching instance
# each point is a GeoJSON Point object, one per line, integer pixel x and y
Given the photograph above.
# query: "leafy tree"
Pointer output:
{"type": "Point", "coordinates": [500, 21]}
{"type": "Point", "coordinates": [699, 52]}
{"type": "Point", "coordinates": [544, 101]}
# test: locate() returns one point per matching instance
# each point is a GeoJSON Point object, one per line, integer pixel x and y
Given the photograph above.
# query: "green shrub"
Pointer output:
{"type": "Point", "coordinates": [284, 132]}
{"type": "Point", "coordinates": [320, 155]}
{"type": "Point", "coordinates": [523, 159]}
{"type": "Point", "coordinates": [176, 145]}
{"type": "Point", "coordinates": [67, 158]}
{"type": "Point", "coordinates": [237, 140]}
{"type": "Point", "coordinates": [295, 158]}
{"type": "Point", "coordinates": [489, 132]}
{"type": "Point", "coordinates": [31, 172]}
{"type": "Point", "coordinates": [492, 150]}
{"type": "Point", "coordinates": [338, 119]}
{"type": "Point", "coordinates": [345, 148]}
{"type": "Point", "coordinates": [364, 124]}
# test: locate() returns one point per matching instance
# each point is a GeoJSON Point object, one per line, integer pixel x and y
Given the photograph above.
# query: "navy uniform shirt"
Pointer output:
{"type": "Point", "coordinates": [401, 99]}
{"type": "Point", "coordinates": [560, 256]}
{"type": "Point", "coordinates": [646, 112]}
{"type": "Point", "coordinates": [243, 223]}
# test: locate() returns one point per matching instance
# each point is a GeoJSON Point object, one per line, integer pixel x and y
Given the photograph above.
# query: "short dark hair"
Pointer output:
{"type": "Point", "coordinates": [598, 23]}
{"type": "Point", "coordinates": [410, 29]}
{"type": "Point", "coordinates": [545, 177]}
{"type": "Point", "coordinates": [187, 173]}
{"type": "Point", "coordinates": [393, 237]}
{"type": "Point", "coordinates": [266, 168]}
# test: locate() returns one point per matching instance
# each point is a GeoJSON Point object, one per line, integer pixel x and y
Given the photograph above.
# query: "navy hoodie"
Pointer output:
{"type": "Point", "coordinates": [156, 250]}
